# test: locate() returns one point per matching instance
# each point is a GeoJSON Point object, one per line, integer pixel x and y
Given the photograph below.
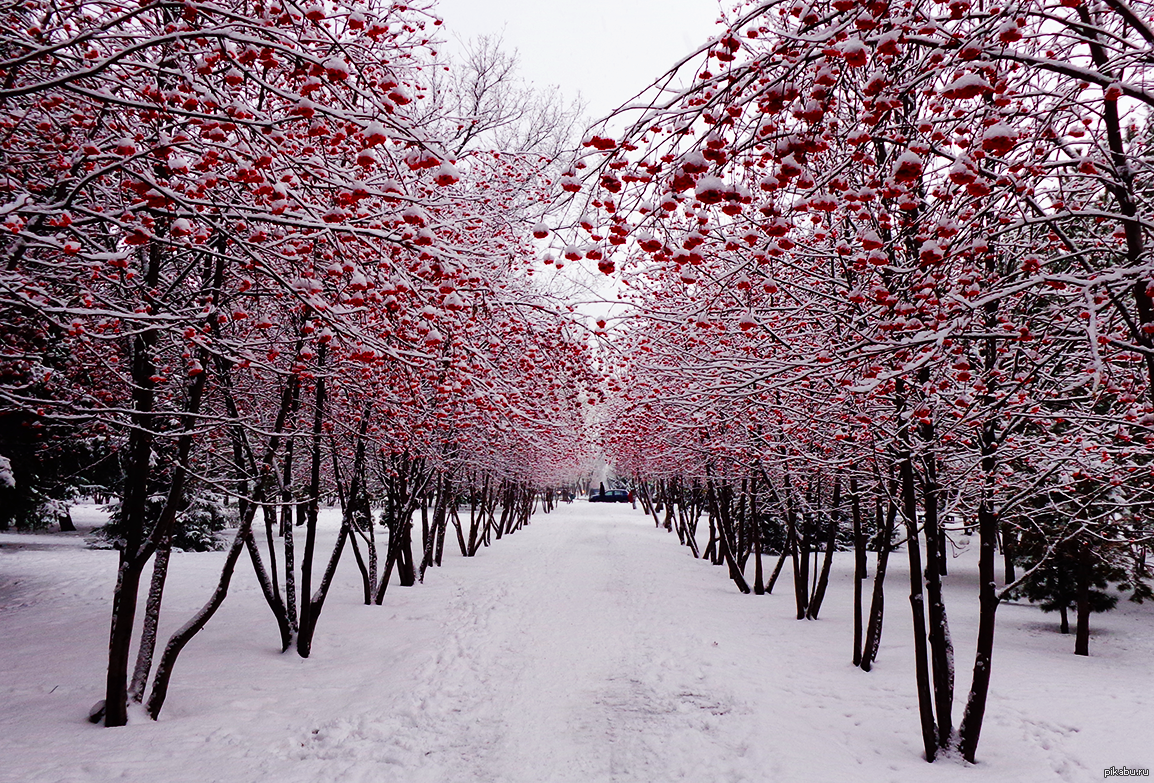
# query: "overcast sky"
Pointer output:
{"type": "Point", "coordinates": [606, 49]}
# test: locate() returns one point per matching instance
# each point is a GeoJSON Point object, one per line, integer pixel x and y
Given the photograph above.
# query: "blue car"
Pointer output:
{"type": "Point", "coordinates": [610, 496]}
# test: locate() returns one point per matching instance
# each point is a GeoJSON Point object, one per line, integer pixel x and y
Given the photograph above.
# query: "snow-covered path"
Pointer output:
{"type": "Point", "coordinates": [575, 660]}
{"type": "Point", "coordinates": [588, 647]}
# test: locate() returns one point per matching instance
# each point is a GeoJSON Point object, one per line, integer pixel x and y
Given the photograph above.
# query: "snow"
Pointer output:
{"type": "Point", "coordinates": [587, 647]}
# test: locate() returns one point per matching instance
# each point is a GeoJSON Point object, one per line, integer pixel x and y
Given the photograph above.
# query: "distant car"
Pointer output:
{"type": "Point", "coordinates": [611, 496]}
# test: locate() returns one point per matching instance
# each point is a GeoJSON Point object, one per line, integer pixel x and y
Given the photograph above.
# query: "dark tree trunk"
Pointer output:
{"type": "Point", "coordinates": [873, 635]}
{"type": "Point", "coordinates": [120, 639]}
{"type": "Point", "coordinates": [458, 527]}
{"type": "Point", "coordinates": [184, 635]}
{"type": "Point", "coordinates": [1009, 541]}
{"type": "Point", "coordinates": [755, 534]}
{"type": "Point", "coordinates": [800, 571]}
{"type": "Point", "coordinates": [777, 568]}
{"type": "Point", "coordinates": [859, 571]}
{"type": "Point", "coordinates": [317, 601]}
{"type": "Point", "coordinates": [131, 564]}
{"type": "Point", "coordinates": [917, 606]}
{"type": "Point", "coordinates": [272, 597]}
{"type": "Point", "coordinates": [1082, 633]}
{"type": "Point", "coordinates": [819, 589]}
{"type": "Point", "coordinates": [971, 727]}
{"type": "Point", "coordinates": [151, 621]}
{"type": "Point", "coordinates": [304, 634]}
{"type": "Point", "coordinates": [941, 646]}
{"type": "Point", "coordinates": [64, 519]}
{"type": "Point", "coordinates": [270, 542]}
{"type": "Point", "coordinates": [801, 564]}
{"type": "Point", "coordinates": [406, 571]}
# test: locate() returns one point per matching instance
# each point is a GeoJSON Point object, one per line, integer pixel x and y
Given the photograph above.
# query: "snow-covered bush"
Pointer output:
{"type": "Point", "coordinates": [195, 528]}
{"type": "Point", "coordinates": [6, 477]}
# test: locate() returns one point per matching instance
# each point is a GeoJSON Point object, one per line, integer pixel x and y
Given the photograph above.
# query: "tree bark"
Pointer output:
{"type": "Point", "coordinates": [971, 727]}
{"type": "Point", "coordinates": [184, 635]}
{"type": "Point", "coordinates": [304, 632]}
{"type": "Point", "coordinates": [917, 606]}
{"type": "Point", "coordinates": [819, 588]}
{"type": "Point", "coordinates": [941, 646]}
{"type": "Point", "coordinates": [873, 635]}
{"type": "Point", "coordinates": [1082, 632]}
{"type": "Point", "coordinates": [859, 570]}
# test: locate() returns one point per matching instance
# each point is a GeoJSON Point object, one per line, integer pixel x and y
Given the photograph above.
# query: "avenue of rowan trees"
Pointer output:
{"type": "Point", "coordinates": [886, 270]}
{"type": "Point", "coordinates": [885, 274]}
{"type": "Point", "coordinates": [270, 251]}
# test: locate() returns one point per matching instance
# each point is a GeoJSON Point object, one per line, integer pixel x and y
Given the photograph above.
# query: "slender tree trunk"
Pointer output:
{"type": "Point", "coordinates": [785, 552]}
{"type": "Point", "coordinates": [941, 646]}
{"type": "Point", "coordinates": [859, 570]}
{"type": "Point", "coordinates": [317, 601]}
{"type": "Point", "coordinates": [917, 605]}
{"type": "Point", "coordinates": [406, 571]}
{"type": "Point", "coordinates": [476, 516]}
{"type": "Point", "coordinates": [800, 565]}
{"type": "Point", "coordinates": [819, 588]}
{"type": "Point", "coordinates": [755, 535]}
{"type": "Point", "coordinates": [988, 524]}
{"type": "Point", "coordinates": [184, 635]}
{"type": "Point", "coordinates": [304, 634]}
{"type": "Point", "coordinates": [447, 508]}
{"type": "Point", "coordinates": [287, 504]}
{"type": "Point", "coordinates": [1082, 632]}
{"type": "Point", "coordinates": [124, 596]}
{"type": "Point", "coordinates": [1009, 542]}
{"type": "Point", "coordinates": [270, 541]}
{"type": "Point", "coordinates": [971, 727]}
{"type": "Point", "coordinates": [268, 587]}
{"type": "Point", "coordinates": [459, 528]}
{"type": "Point", "coordinates": [151, 621]}
{"type": "Point", "coordinates": [873, 637]}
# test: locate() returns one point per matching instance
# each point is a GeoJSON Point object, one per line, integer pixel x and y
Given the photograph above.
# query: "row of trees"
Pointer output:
{"type": "Point", "coordinates": [268, 250]}
{"type": "Point", "coordinates": [890, 273]}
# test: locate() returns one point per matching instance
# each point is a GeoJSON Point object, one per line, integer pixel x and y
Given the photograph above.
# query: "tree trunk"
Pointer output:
{"type": "Point", "coordinates": [917, 606]}
{"type": "Point", "coordinates": [317, 601]}
{"type": "Point", "coordinates": [406, 571]}
{"type": "Point", "coordinates": [151, 621]}
{"type": "Point", "coordinates": [1009, 540]}
{"type": "Point", "coordinates": [272, 597]}
{"type": "Point", "coordinates": [819, 588]}
{"type": "Point", "coordinates": [1082, 633]}
{"type": "Point", "coordinates": [873, 635]}
{"type": "Point", "coordinates": [941, 646]}
{"type": "Point", "coordinates": [304, 634]}
{"type": "Point", "coordinates": [799, 555]}
{"type": "Point", "coordinates": [859, 571]}
{"type": "Point", "coordinates": [184, 635]}
{"type": "Point", "coordinates": [971, 727]}
{"type": "Point", "coordinates": [124, 596]}
{"type": "Point", "coordinates": [64, 519]}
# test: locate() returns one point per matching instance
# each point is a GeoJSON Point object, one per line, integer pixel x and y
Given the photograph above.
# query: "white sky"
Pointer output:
{"type": "Point", "coordinates": [608, 50]}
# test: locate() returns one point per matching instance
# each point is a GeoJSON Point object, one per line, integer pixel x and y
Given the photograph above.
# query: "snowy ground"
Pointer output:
{"type": "Point", "coordinates": [588, 647]}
